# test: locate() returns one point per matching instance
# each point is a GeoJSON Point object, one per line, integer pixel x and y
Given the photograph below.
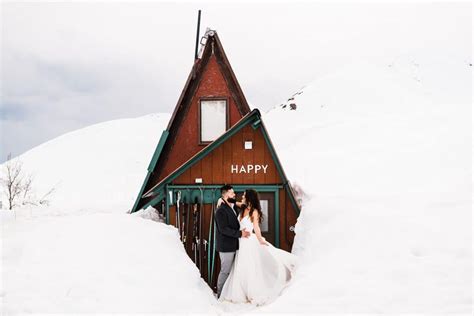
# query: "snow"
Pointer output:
{"type": "Point", "coordinates": [382, 133]}
{"type": "Point", "coordinates": [97, 168]}
{"type": "Point", "coordinates": [388, 167]}
{"type": "Point", "coordinates": [98, 263]}
{"type": "Point", "coordinates": [382, 151]}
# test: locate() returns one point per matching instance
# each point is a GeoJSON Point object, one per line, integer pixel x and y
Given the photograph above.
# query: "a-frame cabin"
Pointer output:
{"type": "Point", "coordinates": [214, 139]}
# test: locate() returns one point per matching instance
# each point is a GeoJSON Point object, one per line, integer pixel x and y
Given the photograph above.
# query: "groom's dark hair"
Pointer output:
{"type": "Point", "coordinates": [225, 188]}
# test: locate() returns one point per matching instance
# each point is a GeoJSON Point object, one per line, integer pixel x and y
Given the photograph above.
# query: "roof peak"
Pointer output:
{"type": "Point", "coordinates": [209, 33]}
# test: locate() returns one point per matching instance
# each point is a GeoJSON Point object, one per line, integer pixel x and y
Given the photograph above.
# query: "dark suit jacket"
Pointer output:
{"type": "Point", "coordinates": [228, 228]}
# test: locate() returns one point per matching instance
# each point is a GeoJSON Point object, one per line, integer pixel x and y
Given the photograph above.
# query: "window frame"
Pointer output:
{"type": "Point", "coordinates": [227, 116]}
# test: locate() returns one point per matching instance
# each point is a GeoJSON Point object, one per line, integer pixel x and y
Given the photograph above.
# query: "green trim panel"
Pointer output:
{"type": "Point", "coordinates": [190, 192]}
{"type": "Point", "coordinates": [277, 219]}
{"type": "Point", "coordinates": [237, 187]}
{"type": "Point", "coordinates": [292, 198]}
{"type": "Point", "coordinates": [256, 124]}
{"type": "Point", "coordinates": [274, 155]}
{"type": "Point", "coordinates": [167, 205]}
{"type": "Point", "coordinates": [155, 200]}
{"type": "Point", "coordinates": [139, 196]}
{"type": "Point", "coordinates": [151, 167]}
{"type": "Point", "coordinates": [158, 150]}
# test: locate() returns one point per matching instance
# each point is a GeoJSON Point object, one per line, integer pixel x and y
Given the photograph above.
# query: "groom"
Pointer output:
{"type": "Point", "coordinates": [227, 234]}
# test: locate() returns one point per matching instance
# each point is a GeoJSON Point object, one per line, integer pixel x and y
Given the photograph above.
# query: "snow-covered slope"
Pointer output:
{"type": "Point", "coordinates": [383, 153]}
{"type": "Point", "coordinates": [368, 129]}
{"type": "Point", "coordinates": [97, 168]}
{"type": "Point", "coordinates": [387, 163]}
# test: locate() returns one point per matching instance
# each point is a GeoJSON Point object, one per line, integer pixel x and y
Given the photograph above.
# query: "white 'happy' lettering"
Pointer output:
{"type": "Point", "coordinates": [248, 168]}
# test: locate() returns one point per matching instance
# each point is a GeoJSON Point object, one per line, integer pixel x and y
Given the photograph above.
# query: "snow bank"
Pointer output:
{"type": "Point", "coordinates": [101, 263]}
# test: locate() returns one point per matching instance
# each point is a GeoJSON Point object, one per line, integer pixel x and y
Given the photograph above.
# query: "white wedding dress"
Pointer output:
{"type": "Point", "coordinates": [260, 272]}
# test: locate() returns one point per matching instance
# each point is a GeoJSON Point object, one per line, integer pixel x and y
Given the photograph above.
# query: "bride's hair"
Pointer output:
{"type": "Point", "coordinates": [253, 200]}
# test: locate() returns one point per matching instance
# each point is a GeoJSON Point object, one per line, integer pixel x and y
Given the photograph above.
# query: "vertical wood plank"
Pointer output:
{"type": "Point", "coordinates": [173, 215]}
{"type": "Point", "coordinates": [237, 156]}
{"type": "Point", "coordinates": [248, 154]}
{"type": "Point", "coordinates": [270, 175]}
{"type": "Point", "coordinates": [196, 171]}
{"type": "Point", "coordinates": [184, 178]}
{"type": "Point", "coordinates": [259, 156]}
{"type": "Point", "coordinates": [227, 161]}
{"type": "Point", "coordinates": [207, 169]}
{"type": "Point", "coordinates": [217, 165]}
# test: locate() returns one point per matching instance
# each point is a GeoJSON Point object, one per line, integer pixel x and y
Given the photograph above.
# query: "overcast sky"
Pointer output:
{"type": "Point", "coordinates": [69, 65]}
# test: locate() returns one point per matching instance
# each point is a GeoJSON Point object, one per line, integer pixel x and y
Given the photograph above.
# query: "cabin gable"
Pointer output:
{"type": "Point", "coordinates": [211, 78]}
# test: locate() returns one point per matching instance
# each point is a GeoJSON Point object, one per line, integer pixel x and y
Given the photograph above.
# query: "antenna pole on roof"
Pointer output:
{"type": "Point", "coordinates": [197, 35]}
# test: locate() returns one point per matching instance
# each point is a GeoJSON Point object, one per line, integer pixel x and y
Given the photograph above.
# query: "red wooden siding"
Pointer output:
{"type": "Point", "coordinates": [215, 168]}
{"type": "Point", "coordinates": [186, 144]}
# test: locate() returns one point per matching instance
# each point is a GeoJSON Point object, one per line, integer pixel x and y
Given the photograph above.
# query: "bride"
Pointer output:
{"type": "Point", "coordinates": [260, 271]}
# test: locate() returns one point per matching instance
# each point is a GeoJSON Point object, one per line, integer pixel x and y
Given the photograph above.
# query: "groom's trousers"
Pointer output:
{"type": "Point", "coordinates": [227, 258]}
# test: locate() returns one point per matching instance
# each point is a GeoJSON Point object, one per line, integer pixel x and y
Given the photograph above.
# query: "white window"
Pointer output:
{"type": "Point", "coordinates": [213, 119]}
